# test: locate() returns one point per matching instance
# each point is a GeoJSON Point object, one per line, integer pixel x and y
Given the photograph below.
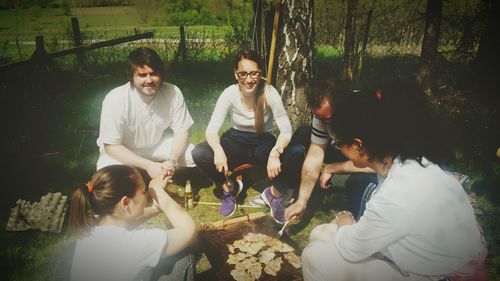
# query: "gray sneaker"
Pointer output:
{"type": "Point", "coordinates": [257, 201]}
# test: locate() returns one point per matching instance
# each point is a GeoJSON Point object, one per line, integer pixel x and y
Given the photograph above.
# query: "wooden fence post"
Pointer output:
{"type": "Point", "coordinates": [40, 56]}
{"type": "Point", "coordinates": [77, 38]}
{"type": "Point", "coordinates": [39, 48]}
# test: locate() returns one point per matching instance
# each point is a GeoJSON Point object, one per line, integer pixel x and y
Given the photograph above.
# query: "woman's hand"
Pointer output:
{"type": "Point", "coordinates": [160, 182]}
{"type": "Point", "coordinates": [273, 167]}
{"type": "Point", "coordinates": [155, 169]}
{"type": "Point", "coordinates": [220, 161]}
{"type": "Point", "coordinates": [343, 218]}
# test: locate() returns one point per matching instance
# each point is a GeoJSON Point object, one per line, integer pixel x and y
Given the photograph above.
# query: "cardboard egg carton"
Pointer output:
{"type": "Point", "coordinates": [46, 215]}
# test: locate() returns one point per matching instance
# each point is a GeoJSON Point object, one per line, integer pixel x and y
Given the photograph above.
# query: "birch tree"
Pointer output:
{"type": "Point", "coordinates": [294, 71]}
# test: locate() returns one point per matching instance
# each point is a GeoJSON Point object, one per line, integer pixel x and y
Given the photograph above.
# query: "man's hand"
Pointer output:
{"type": "Point", "coordinates": [220, 161]}
{"type": "Point", "coordinates": [273, 167]}
{"type": "Point", "coordinates": [295, 210]}
{"type": "Point", "coordinates": [169, 167]}
{"type": "Point", "coordinates": [324, 180]}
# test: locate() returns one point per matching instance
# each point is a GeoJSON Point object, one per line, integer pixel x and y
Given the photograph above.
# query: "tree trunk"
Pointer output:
{"type": "Point", "coordinates": [487, 61]}
{"type": "Point", "coordinates": [350, 40]}
{"type": "Point", "coordinates": [429, 52]}
{"type": "Point", "coordinates": [295, 58]}
{"type": "Point", "coordinates": [359, 64]}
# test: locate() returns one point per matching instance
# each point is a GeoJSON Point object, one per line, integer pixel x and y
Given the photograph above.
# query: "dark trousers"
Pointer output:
{"type": "Point", "coordinates": [179, 267]}
{"type": "Point", "coordinates": [246, 147]}
{"type": "Point", "coordinates": [359, 185]}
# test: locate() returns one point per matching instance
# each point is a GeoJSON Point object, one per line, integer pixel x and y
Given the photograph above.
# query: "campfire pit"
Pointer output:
{"type": "Point", "coordinates": [215, 237]}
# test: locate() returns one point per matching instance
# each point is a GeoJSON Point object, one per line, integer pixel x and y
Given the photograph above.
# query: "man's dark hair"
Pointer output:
{"type": "Point", "coordinates": [145, 56]}
{"type": "Point", "coordinates": [325, 89]}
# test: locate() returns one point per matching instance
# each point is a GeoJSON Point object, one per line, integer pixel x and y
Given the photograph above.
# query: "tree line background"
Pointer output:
{"type": "Point", "coordinates": [462, 31]}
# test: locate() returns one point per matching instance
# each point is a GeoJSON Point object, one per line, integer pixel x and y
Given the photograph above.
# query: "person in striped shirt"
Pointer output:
{"type": "Point", "coordinates": [320, 149]}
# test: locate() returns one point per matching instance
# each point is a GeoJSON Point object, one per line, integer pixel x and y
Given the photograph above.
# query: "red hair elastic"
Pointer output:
{"type": "Point", "coordinates": [90, 187]}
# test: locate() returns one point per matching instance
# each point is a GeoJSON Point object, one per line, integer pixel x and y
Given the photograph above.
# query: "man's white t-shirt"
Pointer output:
{"type": "Point", "coordinates": [112, 252]}
{"type": "Point", "coordinates": [127, 120]}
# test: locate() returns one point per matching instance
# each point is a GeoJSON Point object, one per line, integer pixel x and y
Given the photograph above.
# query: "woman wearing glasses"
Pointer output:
{"type": "Point", "coordinates": [418, 223]}
{"type": "Point", "coordinates": [253, 105]}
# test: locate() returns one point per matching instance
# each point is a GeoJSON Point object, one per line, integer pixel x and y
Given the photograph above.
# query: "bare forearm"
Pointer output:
{"type": "Point", "coordinates": [126, 156]}
{"type": "Point", "coordinates": [311, 170]}
{"type": "Point", "coordinates": [179, 145]}
{"type": "Point", "coordinates": [345, 168]}
{"type": "Point", "coordinates": [174, 212]}
{"type": "Point", "coordinates": [183, 227]}
{"type": "Point", "coordinates": [214, 141]}
{"type": "Point", "coordinates": [310, 174]}
{"type": "Point", "coordinates": [282, 142]}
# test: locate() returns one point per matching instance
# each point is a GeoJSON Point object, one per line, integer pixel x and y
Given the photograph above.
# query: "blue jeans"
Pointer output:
{"type": "Point", "coordinates": [247, 147]}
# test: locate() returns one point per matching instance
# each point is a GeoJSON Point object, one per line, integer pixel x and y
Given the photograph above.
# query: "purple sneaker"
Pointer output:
{"type": "Point", "coordinates": [275, 204]}
{"type": "Point", "coordinates": [229, 205]}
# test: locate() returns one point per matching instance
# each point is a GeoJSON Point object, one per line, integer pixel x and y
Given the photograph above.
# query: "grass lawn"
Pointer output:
{"type": "Point", "coordinates": [53, 116]}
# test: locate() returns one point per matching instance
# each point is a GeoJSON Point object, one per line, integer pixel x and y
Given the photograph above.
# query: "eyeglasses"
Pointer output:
{"type": "Point", "coordinates": [244, 74]}
{"type": "Point", "coordinates": [323, 119]}
{"type": "Point", "coordinates": [337, 143]}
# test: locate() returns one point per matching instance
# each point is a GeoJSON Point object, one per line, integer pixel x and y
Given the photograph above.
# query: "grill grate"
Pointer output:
{"type": "Point", "coordinates": [215, 239]}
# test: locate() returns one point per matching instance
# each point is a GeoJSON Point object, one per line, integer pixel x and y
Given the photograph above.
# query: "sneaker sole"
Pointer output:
{"type": "Point", "coordinates": [271, 209]}
{"type": "Point", "coordinates": [240, 186]}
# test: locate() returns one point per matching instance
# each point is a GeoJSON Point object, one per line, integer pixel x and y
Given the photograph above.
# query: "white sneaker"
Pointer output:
{"type": "Point", "coordinates": [257, 201]}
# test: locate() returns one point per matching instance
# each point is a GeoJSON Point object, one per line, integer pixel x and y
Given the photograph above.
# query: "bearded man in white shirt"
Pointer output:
{"type": "Point", "coordinates": [135, 118]}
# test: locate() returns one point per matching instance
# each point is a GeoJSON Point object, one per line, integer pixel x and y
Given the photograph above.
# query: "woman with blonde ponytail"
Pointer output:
{"type": "Point", "coordinates": [253, 105]}
{"type": "Point", "coordinates": [104, 214]}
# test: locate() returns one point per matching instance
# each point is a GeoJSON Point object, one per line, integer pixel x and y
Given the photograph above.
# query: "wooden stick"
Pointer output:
{"type": "Point", "coordinates": [218, 204]}
{"type": "Point", "coordinates": [273, 41]}
{"type": "Point", "coordinates": [244, 218]}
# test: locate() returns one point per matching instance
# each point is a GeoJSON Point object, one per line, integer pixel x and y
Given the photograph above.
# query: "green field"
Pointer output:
{"type": "Point", "coordinates": [96, 23]}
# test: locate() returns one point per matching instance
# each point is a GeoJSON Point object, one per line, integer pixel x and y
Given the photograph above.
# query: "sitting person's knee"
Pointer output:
{"type": "Point", "coordinates": [324, 232]}
{"type": "Point", "coordinates": [198, 153]}
{"type": "Point", "coordinates": [296, 150]}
